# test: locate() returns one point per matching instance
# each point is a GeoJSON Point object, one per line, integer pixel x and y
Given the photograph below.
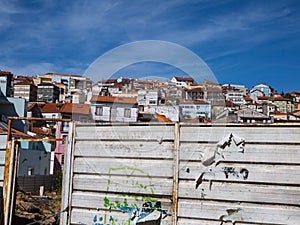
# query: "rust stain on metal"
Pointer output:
{"type": "Point", "coordinates": [6, 166]}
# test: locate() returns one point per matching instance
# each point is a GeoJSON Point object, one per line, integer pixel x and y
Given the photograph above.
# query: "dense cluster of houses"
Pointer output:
{"type": "Point", "coordinates": [77, 98]}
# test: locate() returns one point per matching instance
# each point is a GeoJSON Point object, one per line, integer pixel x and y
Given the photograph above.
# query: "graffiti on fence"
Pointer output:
{"type": "Point", "coordinates": [141, 208]}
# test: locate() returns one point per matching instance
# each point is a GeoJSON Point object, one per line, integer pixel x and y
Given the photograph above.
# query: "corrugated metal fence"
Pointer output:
{"type": "Point", "coordinates": [182, 174]}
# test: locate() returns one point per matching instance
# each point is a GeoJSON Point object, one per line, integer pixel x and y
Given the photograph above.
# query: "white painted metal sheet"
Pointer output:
{"type": "Point", "coordinates": [216, 174]}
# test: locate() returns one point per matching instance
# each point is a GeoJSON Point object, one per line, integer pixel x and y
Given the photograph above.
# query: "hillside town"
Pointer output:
{"type": "Point", "coordinates": [75, 97]}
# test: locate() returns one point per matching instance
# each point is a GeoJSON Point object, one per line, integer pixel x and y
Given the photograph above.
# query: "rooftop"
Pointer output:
{"type": "Point", "coordinates": [112, 99]}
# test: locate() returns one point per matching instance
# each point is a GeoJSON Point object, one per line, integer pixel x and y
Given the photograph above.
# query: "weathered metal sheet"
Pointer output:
{"type": "Point", "coordinates": [124, 149]}
{"type": "Point", "coordinates": [253, 153]}
{"type": "Point", "coordinates": [126, 167]}
{"type": "Point", "coordinates": [286, 195]}
{"type": "Point", "coordinates": [256, 134]}
{"type": "Point", "coordinates": [232, 212]}
{"type": "Point", "coordinates": [119, 132]}
{"type": "Point", "coordinates": [198, 174]}
{"type": "Point", "coordinates": [250, 173]}
{"type": "Point", "coordinates": [247, 174]}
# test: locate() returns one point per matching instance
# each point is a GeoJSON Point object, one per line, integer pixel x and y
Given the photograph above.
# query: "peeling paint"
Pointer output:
{"type": "Point", "coordinates": [229, 140]}
{"type": "Point", "coordinates": [233, 216]}
{"type": "Point", "coordinates": [235, 173]}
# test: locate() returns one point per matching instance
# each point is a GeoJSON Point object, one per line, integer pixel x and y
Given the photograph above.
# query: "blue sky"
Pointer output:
{"type": "Point", "coordinates": [243, 42]}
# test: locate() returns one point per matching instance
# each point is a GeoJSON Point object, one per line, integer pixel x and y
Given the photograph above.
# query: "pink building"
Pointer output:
{"type": "Point", "coordinates": [75, 112]}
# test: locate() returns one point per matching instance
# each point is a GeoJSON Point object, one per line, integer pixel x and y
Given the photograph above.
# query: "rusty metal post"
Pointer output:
{"type": "Point", "coordinates": [7, 170]}
{"type": "Point", "coordinates": [175, 174]}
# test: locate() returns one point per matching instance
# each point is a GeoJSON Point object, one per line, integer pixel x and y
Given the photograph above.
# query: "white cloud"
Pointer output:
{"type": "Point", "coordinates": [31, 69]}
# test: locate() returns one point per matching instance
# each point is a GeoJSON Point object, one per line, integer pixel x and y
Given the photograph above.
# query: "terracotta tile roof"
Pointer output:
{"type": "Point", "coordinates": [24, 82]}
{"type": "Point", "coordinates": [162, 118]}
{"type": "Point", "coordinates": [280, 98]}
{"type": "Point", "coordinates": [193, 102]}
{"type": "Point", "coordinates": [277, 113]}
{"type": "Point", "coordinates": [5, 72]}
{"type": "Point", "coordinates": [198, 119]}
{"type": "Point", "coordinates": [264, 97]}
{"type": "Point", "coordinates": [295, 93]}
{"type": "Point", "coordinates": [75, 108]}
{"type": "Point", "coordinates": [111, 99]}
{"type": "Point", "coordinates": [109, 81]}
{"type": "Point", "coordinates": [252, 103]}
{"type": "Point", "coordinates": [197, 89]}
{"type": "Point", "coordinates": [230, 104]}
{"type": "Point", "coordinates": [296, 111]}
{"type": "Point", "coordinates": [39, 104]}
{"type": "Point", "coordinates": [59, 84]}
{"type": "Point", "coordinates": [184, 79]}
{"type": "Point", "coordinates": [51, 108]}
{"type": "Point", "coordinates": [247, 98]}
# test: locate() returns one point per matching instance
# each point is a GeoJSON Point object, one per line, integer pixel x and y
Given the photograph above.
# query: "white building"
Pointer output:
{"type": "Point", "coordinates": [264, 88]}
{"type": "Point", "coordinates": [148, 97]}
{"type": "Point", "coordinates": [196, 108]}
{"type": "Point", "coordinates": [182, 81]}
{"type": "Point", "coordinates": [114, 109]}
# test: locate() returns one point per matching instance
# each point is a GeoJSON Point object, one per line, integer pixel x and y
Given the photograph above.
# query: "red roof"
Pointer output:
{"type": "Point", "coordinates": [15, 132]}
{"type": "Point", "coordinates": [112, 99]}
{"type": "Point", "coordinates": [5, 72]}
{"type": "Point", "coordinates": [24, 82]}
{"type": "Point", "coordinates": [162, 118]}
{"type": "Point", "coordinates": [253, 103]}
{"type": "Point", "coordinates": [230, 104]}
{"type": "Point", "coordinates": [39, 104]}
{"type": "Point", "coordinates": [277, 113]}
{"type": "Point", "coordinates": [197, 89]}
{"type": "Point", "coordinates": [263, 97]}
{"type": "Point", "coordinates": [60, 84]}
{"type": "Point", "coordinates": [75, 108]}
{"type": "Point", "coordinates": [280, 98]}
{"type": "Point", "coordinates": [247, 98]}
{"type": "Point", "coordinates": [109, 81]}
{"type": "Point", "coordinates": [51, 108]}
{"type": "Point", "coordinates": [184, 79]}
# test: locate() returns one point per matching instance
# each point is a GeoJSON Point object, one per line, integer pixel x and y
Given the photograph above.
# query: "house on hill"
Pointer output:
{"type": "Point", "coordinates": [182, 81]}
{"type": "Point", "coordinates": [114, 109]}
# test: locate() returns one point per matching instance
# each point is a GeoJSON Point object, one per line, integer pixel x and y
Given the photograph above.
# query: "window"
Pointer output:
{"type": "Point", "coordinates": [99, 111]}
{"type": "Point", "coordinates": [64, 139]}
{"type": "Point", "coordinates": [127, 113]}
{"type": "Point", "coordinates": [83, 119]}
{"type": "Point", "coordinates": [30, 171]}
{"type": "Point", "coordinates": [62, 159]}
